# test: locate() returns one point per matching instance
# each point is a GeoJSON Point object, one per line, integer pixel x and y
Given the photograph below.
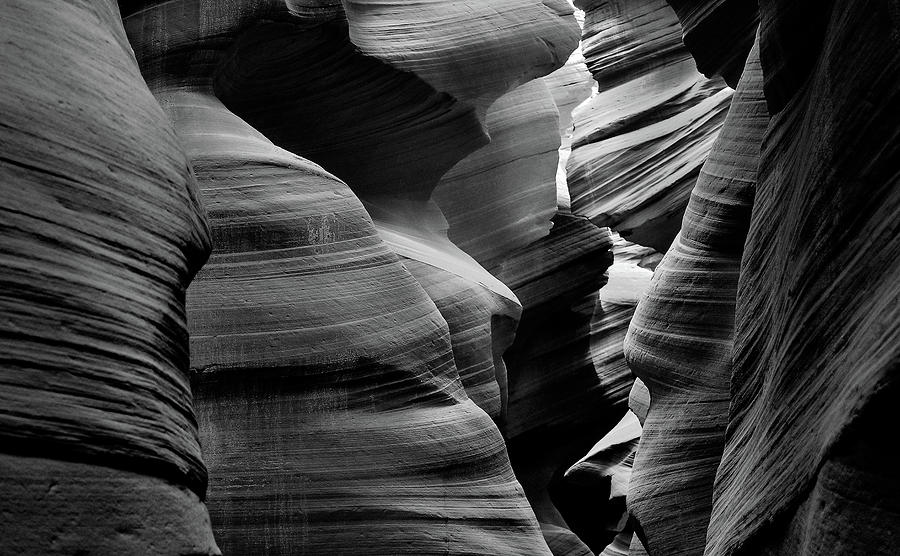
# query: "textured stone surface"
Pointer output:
{"type": "Point", "coordinates": [411, 134]}
{"type": "Point", "coordinates": [817, 320]}
{"type": "Point", "coordinates": [481, 312]}
{"type": "Point", "coordinates": [639, 144]}
{"type": "Point", "coordinates": [464, 47]}
{"type": "Point", "coordinates": [719, 34]}
{"type": "Point", "coordinates": [325, 375]}
{"type": "Point", "coordinates": [100, 233]}
{"type": "Point", "coordinates": [680, 340]}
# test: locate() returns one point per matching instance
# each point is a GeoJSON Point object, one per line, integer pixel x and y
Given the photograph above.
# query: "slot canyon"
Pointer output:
{"type": "Point", "coordinates": [449, 277]}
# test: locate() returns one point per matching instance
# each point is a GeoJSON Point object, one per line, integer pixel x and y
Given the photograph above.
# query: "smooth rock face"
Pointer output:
{"type": "Point", "coordinates": [101, 231]}
{"type": "Point", "coordinates": [681, 337]}
{"type": "Point", "coordinates": [502, 197]}
{"type": "Point", "coordinates": [817, 320]}
{"type": "Point", "coordinates": [481, 312]}
{"type": "Point", "coordinates": [570, 85]}
{"type": "Point", "coordinates": [719, 34]}
{"type": "Point", "coordinates": [474, 51]}
{"type": "Point", "coordinates": [639, 144]}
{"type": "Point", "coordinates": [324, 373]}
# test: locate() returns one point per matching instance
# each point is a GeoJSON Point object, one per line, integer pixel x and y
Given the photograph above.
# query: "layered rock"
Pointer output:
{"type": "Point", "coordinates": [681, 337]}
{"type": "Point", "coordinates": [465, 49]}
{"type": "Point", "coordinates": [412, 134]}
{"type": "Point", "coordinates": [502, 197]}
{"type": "Point", "coordinates": [815, 360]}
{"type": "Point", "coordinates": [101, 231]}
{"type": "Point", "coordinates": [481, 312]}
{"type": "Point", "coordinates": [639, 144]}
{"type": "Point", "coordinates": [325, 375]}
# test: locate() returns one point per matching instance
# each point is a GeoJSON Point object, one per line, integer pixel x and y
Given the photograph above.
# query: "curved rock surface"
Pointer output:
{"type": "Point", "coordinates": [563, 542]}
{"type": "Point", "coordinates": [719, 34]}
{"type": "Point", "coordinates": [639, 144]}
{"type": "Point", "coordinates": [101, 231]}
{"type": "Point", "coordinates": [681, 337]}
{"type": "Point", "coordinates": [464, 47]}
{"type": "Point", "coordinates": [596, 487]}
{"type": "Point", "coordinates": [818, 318]}
{"type": "Point", "coordinates": [558, 399]}
{"type": "Point", "coordinates": [324, 373]}
{"type": "Point", "coordinates": [412, 134]}
{"type": "Point", "coordinates": [570, 85]}
{"type": "Point", "coordinates": [481, 312]}
{"type": "Point", "coordinates": [502, 197]}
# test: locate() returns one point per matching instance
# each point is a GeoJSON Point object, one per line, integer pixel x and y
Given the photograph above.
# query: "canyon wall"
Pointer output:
{"type": "Point", "coordinates": [760, 438]}
{"type": "Point", "coordinates": [817, 319]}
{"type": "Point", "coordinates": [638, 144]}
{"type": "Point", "coordinates": [434, 262]}
{"type": "Point", "coordinates": [329, 373]}
{"type": "Point", "coordinates": [101, 230]}
{"type": "Point", "coordinates": [681, 338]}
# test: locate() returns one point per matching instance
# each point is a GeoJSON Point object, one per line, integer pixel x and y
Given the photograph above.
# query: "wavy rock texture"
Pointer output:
{"type": "Point", "coordinates": [411, 135]}
{"type": "Point", "coordinates": [502, 197]}
{"type": "Point", "coordinates": [639, 144]}
{"type": "Point", "coordinates": [324, 373]}
{"type": "Point", "coordinates": [481, 312]}
{"type": "Point", "coordinates": [818, 318]}
{"type": "Point", "coordinates": [464, 47]}
{"type": "Point", "coordinates": [100, 233]}
{"type": "Point", "coordinates": [681, 337]}
{"type": "Point", "coordinates": [719, 34]}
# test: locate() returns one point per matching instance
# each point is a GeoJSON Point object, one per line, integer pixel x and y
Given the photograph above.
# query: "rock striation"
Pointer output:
{"type": "Point", "coordinates": [639, 144]}
{"type": "Point", "coordinates": [502, 197]}
{"type": "Point", "coordinates": [817, 320]}
{"type": "Point", "coordinates": [325, 374]}
{"type": "Point", "coordinates": [681, 337]}
{"type": "Point", "coordinates": [101, 231]}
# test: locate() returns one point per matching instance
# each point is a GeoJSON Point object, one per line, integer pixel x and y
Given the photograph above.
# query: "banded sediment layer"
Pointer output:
{"type": "Point", "coordinates": [101, 231]}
